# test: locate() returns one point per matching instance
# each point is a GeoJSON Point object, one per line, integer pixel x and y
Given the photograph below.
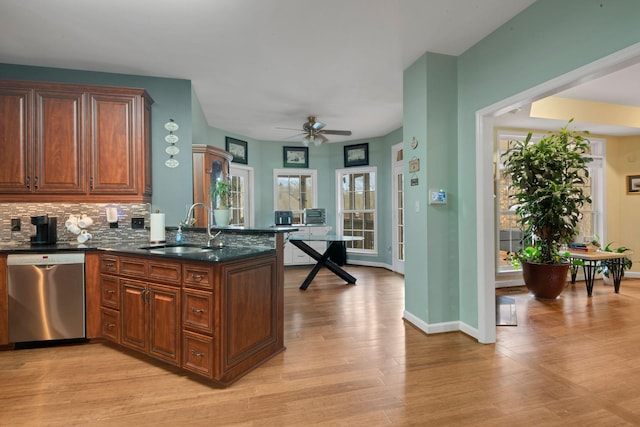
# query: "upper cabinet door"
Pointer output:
{"type": "Point", "coordinates": [114, 149]}
{"type": "Point", "coordinates": [59, 142]}
{"type": "Point", "coordinates": [15, 135]}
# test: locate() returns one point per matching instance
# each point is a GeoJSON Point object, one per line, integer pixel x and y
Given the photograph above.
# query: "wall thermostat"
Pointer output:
{"type": "Point", "coordinates": [437, 197]}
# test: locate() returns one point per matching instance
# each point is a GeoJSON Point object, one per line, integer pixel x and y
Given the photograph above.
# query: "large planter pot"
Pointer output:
{"type": "Point", "coordinates": [545, 281]}
{"type": "Point", "coordinates": [221, 216]}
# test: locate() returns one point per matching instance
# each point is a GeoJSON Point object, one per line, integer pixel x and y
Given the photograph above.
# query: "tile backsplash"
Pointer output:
{"type": "Point", "coordinates": [100, 229]}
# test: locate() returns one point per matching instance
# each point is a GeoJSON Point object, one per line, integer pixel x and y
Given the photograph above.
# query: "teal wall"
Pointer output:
{"type": "Point", "coordinates": [545, 41]}
{"type": "Point", "coordinates": [430, 111]}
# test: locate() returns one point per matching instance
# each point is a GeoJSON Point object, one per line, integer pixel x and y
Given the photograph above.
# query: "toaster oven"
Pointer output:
{"type": "Point", "coordinates": [315, 216]}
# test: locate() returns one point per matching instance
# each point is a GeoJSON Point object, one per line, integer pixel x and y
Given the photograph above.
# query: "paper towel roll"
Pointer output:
{"type": "Point", "coordinates": [157, 228]}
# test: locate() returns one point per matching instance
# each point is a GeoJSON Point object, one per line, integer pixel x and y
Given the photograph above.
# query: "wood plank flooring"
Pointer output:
{"type": "Point", "coordinates": [352, 361]}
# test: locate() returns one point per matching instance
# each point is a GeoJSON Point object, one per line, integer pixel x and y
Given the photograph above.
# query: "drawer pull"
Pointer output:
{"type": "Point", "coordinates": [109, 291]}
{"type": "Point", "coordinates": [195, 353]}
{"type": "Point", "coordinates": [197, 310]}
{"type": "Point", "coordinates": [110, 325]}
{"type": "Point", "coordinates": [109, 264]}
{"type": "Point", "coordinates": [197, 277]}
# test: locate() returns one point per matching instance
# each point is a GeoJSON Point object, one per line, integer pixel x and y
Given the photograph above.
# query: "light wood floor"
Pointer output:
{"type": "Point", "coordinates": [352, 361]}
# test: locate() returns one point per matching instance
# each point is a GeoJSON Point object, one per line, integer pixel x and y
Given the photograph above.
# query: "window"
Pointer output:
{"type": "Point", "coordinates": [295, 190]}
{"type": "Point", "coordinates": [356, 207]}
{"type": "Point", "coordinates": [508, 234]}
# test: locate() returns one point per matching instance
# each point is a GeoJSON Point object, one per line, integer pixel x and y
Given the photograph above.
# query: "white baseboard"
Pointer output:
{"type": "Point", "coordinates": [438, 328]}
{"type": "Point", "coordinates": [369, 264]}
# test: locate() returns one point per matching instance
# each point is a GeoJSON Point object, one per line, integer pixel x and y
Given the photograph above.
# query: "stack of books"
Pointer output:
{"type": "Point", "coordinates": [581, 247]}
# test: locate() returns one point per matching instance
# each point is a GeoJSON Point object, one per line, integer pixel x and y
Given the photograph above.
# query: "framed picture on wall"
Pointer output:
{"type": "Point", "coordinates": [356, 155]}
{"type": "Point", "coordinates": [633, 184]}
{"type": "Point", "coordinates": [237, 148]}
{"type": "Point", "coordinates": [295, 157]}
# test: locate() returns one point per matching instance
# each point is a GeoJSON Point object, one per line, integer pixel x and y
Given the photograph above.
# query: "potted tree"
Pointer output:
{"type": "Point", "coordinates": [221, 198]}
{"type": "Point", "coordinates": [548, 179]}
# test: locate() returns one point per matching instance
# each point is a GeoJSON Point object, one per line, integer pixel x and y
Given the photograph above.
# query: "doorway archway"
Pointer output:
{"type": "Point", "coordinates": [485, 216]}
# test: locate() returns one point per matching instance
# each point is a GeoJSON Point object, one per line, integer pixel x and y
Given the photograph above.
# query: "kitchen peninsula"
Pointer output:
{"type": "Point", "coordinates": [215, 312]}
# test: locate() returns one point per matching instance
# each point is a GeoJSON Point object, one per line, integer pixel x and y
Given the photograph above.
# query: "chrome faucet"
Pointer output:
{"type": "Point", "coordinates": [188, 222]}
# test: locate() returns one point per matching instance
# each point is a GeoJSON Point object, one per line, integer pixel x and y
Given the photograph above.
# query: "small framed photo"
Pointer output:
{"type": "Point", "coordinates": [633, 184]}
{"type": "Point", "coordinates": [237, 148]}
{"type": "Point", "coordinates": [295, 157]}
{"type": "Point", "coordinates": [356, 155]}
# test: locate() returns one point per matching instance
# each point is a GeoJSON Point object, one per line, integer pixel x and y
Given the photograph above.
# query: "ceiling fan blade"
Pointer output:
{"type": "Point", "coordinates": [336, 132]}
{"type": "Point", "coordinates": [296, 135]}
{"type": "Point", "coordinates": [299, 130]}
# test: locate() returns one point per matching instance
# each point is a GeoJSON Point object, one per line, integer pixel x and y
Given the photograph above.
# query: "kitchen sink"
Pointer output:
{"type": "Point", "coordinates": [178, 249]}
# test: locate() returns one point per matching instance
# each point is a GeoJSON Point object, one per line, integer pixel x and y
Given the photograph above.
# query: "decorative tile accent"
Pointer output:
{"type": "Point", "coordinates": [97, 211]}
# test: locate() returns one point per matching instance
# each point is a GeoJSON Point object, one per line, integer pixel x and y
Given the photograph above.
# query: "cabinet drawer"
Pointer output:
{"type": "Point", "coordinates": [133, 267]}
{"type": "Point", "coordinates": [197, 311]}
{"type": "Point", "coordinates": [165, 272]}
{"type": "Point", "coordinates": [198, 354]}
{"type": "Point", "coordinates": [109, 264]}
{"type": "Point", "coordinates": [110, 292]}
{"type": "Point", "coordinates": [197, 276]}
{"type": "Point", "coordinates": [110, 324]}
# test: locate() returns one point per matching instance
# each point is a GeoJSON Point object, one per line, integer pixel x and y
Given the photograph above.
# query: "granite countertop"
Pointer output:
{"type": "Point", "coordinates": [213, 254]}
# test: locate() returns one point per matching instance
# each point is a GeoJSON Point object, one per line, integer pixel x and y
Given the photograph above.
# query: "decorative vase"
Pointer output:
{"type": "Point", "coordinates": [545, 281]}
{"type": "Point", "coordinates": [222, 216]}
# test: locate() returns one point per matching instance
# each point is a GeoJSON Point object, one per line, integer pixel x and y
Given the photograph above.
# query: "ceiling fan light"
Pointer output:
{"type": "Point", "coordinates": [317, 142]}
{"type": "Point", "coordinates": [306, 140]}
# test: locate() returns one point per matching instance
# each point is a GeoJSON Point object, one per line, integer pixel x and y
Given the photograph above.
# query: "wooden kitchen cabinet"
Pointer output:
{"type": "Point", "coordinates": [74, 142]}
{"type": "Point", "coordinates": [217, 320]}
{"type": "Point", "coordinates": [15, 138]}
{"type": "Point", "coordinates": [42, 132]}
{"type": "Point", "coordinates": [209, 164]}
{"type": "Point", "coordinates": [151, 319]}
{"type": "Point", "coordinates": [150, 311]}
{"type": "Point", "coordinates": [4, 302]}
{"type": "Point", "coordinates": [119, 133]}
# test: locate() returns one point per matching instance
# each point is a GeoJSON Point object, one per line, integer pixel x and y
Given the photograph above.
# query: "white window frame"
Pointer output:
{"type": "Point", "coordinates": [294, 171]}
{"type": "Point", "coordinates": [340, 209]}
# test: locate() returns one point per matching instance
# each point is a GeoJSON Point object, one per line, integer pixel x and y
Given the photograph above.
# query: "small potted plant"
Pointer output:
{"type": "Point", "coordinates": [548, 177]}
{"type": "Point", "coordinates": [221, 198]}
{"type": "Point", "coordinates": [605, 266]}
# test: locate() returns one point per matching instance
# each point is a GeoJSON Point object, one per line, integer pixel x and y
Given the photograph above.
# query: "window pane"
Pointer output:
{"type": "Point", "coordinates": [358, 200]}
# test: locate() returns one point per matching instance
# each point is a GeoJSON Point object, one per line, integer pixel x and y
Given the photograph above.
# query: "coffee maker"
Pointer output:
{"type": "Point", "coordinates": [46, 231]}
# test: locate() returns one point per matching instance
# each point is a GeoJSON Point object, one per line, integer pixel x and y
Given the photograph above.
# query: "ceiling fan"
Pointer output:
{"type": "Point", "coordinates": [314, 131]}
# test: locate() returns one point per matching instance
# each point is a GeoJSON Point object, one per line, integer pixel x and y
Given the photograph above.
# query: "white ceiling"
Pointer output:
{"type": "Point", "coordinates": [618, 87]}
{"type": "Point", "coordinates": [257, 65]}
{"type": "Point", "coordinates": [260, 65]}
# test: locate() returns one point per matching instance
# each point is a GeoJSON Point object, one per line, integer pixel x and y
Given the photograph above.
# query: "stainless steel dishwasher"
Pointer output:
{"type": "Point", "coordinates": [46, 296]}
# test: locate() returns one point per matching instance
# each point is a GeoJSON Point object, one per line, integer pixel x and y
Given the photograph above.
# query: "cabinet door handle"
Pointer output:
{"type": "Point", "coordinates": [35, 182]}
{"type": "Point", "coordinates": [195, 353]}
{"type": "Point", "coordinates": [28, 181]}
{"type": "Point", "coordinates": [197, 310]}
{"type": "Point", "coordinates": [91, 183]}
{"type": "Point", "coordinates": [109, 325]}
{"type": "Point", "coordinates": [109, 291]}
{"type": "Point", "coordinates": [197, 277]}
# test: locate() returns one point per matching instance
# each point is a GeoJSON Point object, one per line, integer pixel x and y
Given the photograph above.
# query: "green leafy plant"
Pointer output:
{"type": "Point", "coordinates": [221, 193]}
{"type": "Point", "coordinates": [534, 254]}
{"type": "Point", "coordinates": [549, 178]}
{"type": "Point", "coordinates": [605, 266]}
